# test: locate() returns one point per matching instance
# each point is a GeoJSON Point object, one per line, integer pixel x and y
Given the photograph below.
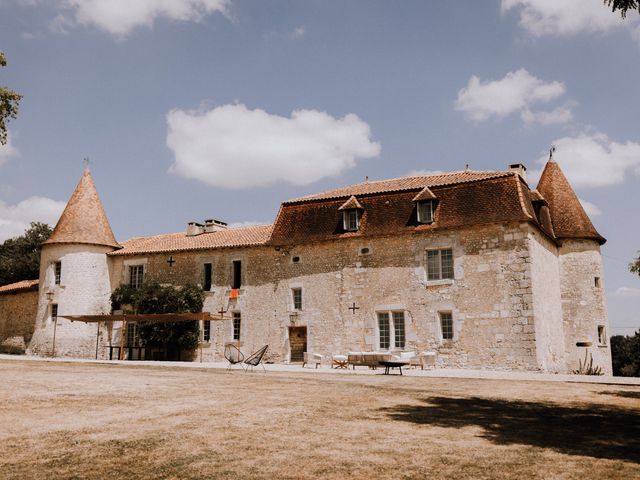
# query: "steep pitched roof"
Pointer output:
{"type": "Point", "coordinates": [83, 219]}
{"type": "Point", "coordinates": [176, 242]}
{"type": "Point", "coordinates": [568, 218]}
{"type": "Point", "coordinates": [403, 184]}
{"type": "Point", "coordinates": [499, 198]}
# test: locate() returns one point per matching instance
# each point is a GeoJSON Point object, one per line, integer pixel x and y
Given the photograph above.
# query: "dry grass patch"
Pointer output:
{"type": "Point", "coordinates": [96, 421]}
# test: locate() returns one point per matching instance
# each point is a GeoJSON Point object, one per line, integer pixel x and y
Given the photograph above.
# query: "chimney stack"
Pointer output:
{"type": "Point", "coordinates": [520, 169]}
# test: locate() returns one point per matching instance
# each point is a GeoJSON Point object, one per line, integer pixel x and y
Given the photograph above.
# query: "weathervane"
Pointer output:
{"type": "Point", "coordinates": [551, 150]}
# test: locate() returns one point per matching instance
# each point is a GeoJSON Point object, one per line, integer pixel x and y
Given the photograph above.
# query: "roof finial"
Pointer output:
{"type": "Point", "coordinates": [85, 162]}
{"type": "Point", "coordinates": [551, 150]}
{"type": "Point", "coordinates": [366, 178]}
{"type": "Point", "coordinates": [466, 167]}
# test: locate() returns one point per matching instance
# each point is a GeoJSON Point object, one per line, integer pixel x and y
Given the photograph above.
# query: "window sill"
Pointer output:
{"type": "Point", "coordinates": [439, 283]}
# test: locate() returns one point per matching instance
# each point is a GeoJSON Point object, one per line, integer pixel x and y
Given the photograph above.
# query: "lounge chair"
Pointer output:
{"type": "Point", "coordinates": [256, 358]}
{"type": "Point", "coordinates": [233, 355]}
{"type": "Point", "coordinates": [312, 358]}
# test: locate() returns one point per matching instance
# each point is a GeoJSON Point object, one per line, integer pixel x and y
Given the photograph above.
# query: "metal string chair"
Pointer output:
{"type": "Point", "coordinates": [256, 358]}
{"type": "Point", "coordinates": [233, 355]}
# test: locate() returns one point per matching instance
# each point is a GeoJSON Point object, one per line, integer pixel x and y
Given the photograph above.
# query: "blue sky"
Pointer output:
{"type": "Point", "coordinates": [194, 109]}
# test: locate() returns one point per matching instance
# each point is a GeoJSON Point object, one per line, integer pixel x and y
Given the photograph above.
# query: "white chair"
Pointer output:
{"type": "Point", "coordinates": [312, 358]}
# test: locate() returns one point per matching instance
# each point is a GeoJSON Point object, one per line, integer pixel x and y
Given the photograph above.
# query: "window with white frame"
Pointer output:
{"type": "Point", "coordinates": [446, 325]}
{"type": "Point", "coordinates": [237, 321]}
{"type": "Point", "coordinates": [296, 293]}
{"type": "Point", "coordinates": [133, 338]}
{"type": "Point", "coordinates": [351, 220]}
{"type": "Point", "coordinates": [425, 211]}
{"type": "Point", "coordinates": [136, 275]}
{"type": "Point", "coordinates": [57, 272]}
{"type": "Point", "coordinates": [391, 330]}
{"type": "Point", "coordinates": [439, 264]}
{"type": "Point", "coordinates": [206, 330]}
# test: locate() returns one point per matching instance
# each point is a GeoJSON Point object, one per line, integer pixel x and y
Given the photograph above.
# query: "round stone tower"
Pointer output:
{"type": "Point", "coordinates": [74, 276]}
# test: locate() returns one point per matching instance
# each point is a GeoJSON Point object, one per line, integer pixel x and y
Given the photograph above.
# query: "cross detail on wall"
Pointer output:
{"type": "Point", "coordinates": [171, 261]}
{"type": "Point", "coordinates": [222, 311]}
{"type": "Point", "coordinates": [353, 308]}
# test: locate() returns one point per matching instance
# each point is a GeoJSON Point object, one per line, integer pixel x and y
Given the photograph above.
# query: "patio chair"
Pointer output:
{"type": "Point", "coordinates": [233, 355]}
{"type": "Point", "coordinates": [309, 358]}
{"type": "Point", "coordinates": [256, 358]}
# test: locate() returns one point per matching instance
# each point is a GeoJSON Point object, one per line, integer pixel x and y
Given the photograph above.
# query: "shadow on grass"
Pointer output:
{"type": "Point", "coordinates": [595, 431]}
{"type": "Point", "coordinates": [623, 393]}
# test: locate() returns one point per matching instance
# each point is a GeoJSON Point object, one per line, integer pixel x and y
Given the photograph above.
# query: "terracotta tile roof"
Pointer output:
{"type": "Point", "coordinates": [403, 183]}
{"type": "Point", "coordinates": [351, 204]}
{"type": "Point", "coordinates": [568, 218]}
{"type": "Point", "coordinates": [176, 242]}
{"type": "Point", "coordinates": [496, 199]}
{"type": "Point", "coordinates": [83, 219]}
{"type": "Point", "coordinates": [21, 286]}
{"type": "Point", "coordinates": [425, 194]}
{"type": "Point", "coordinates": [535, 196]}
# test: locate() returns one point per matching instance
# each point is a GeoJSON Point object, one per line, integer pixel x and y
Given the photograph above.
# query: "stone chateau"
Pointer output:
{"type": "Point", "coordinates": [474, 265]}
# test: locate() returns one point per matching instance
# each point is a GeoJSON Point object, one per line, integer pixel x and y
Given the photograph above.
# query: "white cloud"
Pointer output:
{"type": "Point", "coordinates": [7, 151]}
{"type": "Point", "coordinates": [591, 209]}
{"type": "Point", "coordinates": [594, 160]}
{"type": "Point", "coordinates": [563, 17]}
{"type": "Point", "coordinates": [15, 219]}
{"type": "Point", "coordinates": [516, 92]}
{"type": "Point", "coordinates": [626, 292]}
{"type": "Point", "coordinates": [232, 146]}
{"type": "Point", "coordinates": [120, 17]}
{"type": "Point", "coordinates": [298, 32]}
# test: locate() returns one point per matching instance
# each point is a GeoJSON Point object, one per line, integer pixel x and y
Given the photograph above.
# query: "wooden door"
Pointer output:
{"type": "Point", "coordinates": [297, 343]}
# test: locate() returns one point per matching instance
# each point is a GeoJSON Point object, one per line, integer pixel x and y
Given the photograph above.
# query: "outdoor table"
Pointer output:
{"type": "Point", "coordinates": [388, 364]}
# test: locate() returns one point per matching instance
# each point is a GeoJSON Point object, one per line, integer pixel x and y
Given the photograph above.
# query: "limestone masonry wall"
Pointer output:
{"type": "Point", "coordinates": [17, 316]}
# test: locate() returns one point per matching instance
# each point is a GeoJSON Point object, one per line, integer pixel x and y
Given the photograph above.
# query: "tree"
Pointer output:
{"type": "Point", "coordinates": [634, 266]}
{"type": "Point", "coordinates": [625, 355]}
{"type": "Point", "coordinates": [155, 298]}
{"type": "Point", "coordinates": [9, 101]}
{"type": "Point", "coordinates": [20, 256]}
{"type": "Point", "coordinates": [623, 6]}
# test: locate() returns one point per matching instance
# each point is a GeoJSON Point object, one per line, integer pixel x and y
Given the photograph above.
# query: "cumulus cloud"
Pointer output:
{"type": "Point", "coordinates": [627, 292]}
{"type": "Point", "coordinates": [591, 209]}
{"type": "Point", "coordinates": [594, 160]}
{"type": "Point", "coordinates": [7, 151]}
{"type": "Point", "coordinates": [570, 17]}
{"type": "Point", "coordinates": [15, 219]}
{"type": "Point", "coordinates": [232, 146]}
{"type": "Point", "coordinates": [563, 17]}
{"type": "Point", "coordinates": [121, 17]}
{"type": "Point", "coordinates": [514, 93]}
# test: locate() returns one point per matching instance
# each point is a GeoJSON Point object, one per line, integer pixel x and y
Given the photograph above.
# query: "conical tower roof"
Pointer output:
{"type": "Point", "coordinates": [83, 219]}
{"type": "Point", "coordinates": [567, 215]}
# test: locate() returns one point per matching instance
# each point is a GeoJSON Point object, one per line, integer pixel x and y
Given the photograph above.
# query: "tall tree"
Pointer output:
{"type": "Point", "coordinates": [635, 265]}
{"type": "Point", "coordinates": [9, 101]}
{"type": "Point", "coordinates": [623, 6]}
{"type": "Point", "coordinates": [20, 256]}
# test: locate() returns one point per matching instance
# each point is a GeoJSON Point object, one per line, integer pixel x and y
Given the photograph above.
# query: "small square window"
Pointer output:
{"type": "Point", "coordinates": [54, 312]}
{"type": "Point", "coordinates": [596, 282]}
{"type": "Point", "coordinates": [237, 274]}
{"type": "Point", "coordinates": [206, 330]}
{"type": "Point", "coordinates": [208, 277]}
{"type": "Point", "coordinates": [297, 298]}
{"type": "Point", "coordinates": [439, 264]}
{"type": "Point", "coordinates": [136, 275]}
{"type": "Point", "coordinates": [446, 325]}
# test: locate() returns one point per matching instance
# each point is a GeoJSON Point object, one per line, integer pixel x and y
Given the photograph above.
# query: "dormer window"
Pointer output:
{"type": "Point", "coordinates": [350, 219]}
{"type": "Point", "coordinates": [351, 212]}
{"type": "Point", "coordinates": [425, 211]}
{"type": "Point", "coordinates": [425, 205]}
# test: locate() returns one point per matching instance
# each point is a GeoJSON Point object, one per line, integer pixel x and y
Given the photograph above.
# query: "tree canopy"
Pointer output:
{"type": "Point", "coordinates": [9, 102]}
{"type": "Point", "coordinates": [155, 298]}
{"type": "Point", "coordinates": [20, 256]}
{"type": "Point", "coordinates": [625, 355]}
{"type": "Point", "coordinates": [623, 6]}
{"type": "Point", "coordinates": [634, 266]}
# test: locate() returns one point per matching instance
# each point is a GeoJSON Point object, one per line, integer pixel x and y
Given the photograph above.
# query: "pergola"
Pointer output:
{"type": "Point", "coordinates": [138, 318]}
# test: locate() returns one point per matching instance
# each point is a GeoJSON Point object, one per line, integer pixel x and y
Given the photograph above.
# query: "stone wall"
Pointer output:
{"type": "Point", "coordinates": [583, 303]}
{"type": "Point", "coordinates": [84, 290]}
{"type": "Point", "coordinates": [17, 318]}
{"type": "Point", "coordinates": [547, 306]}
{"type": "Point", "coordinates": [490, 298]}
